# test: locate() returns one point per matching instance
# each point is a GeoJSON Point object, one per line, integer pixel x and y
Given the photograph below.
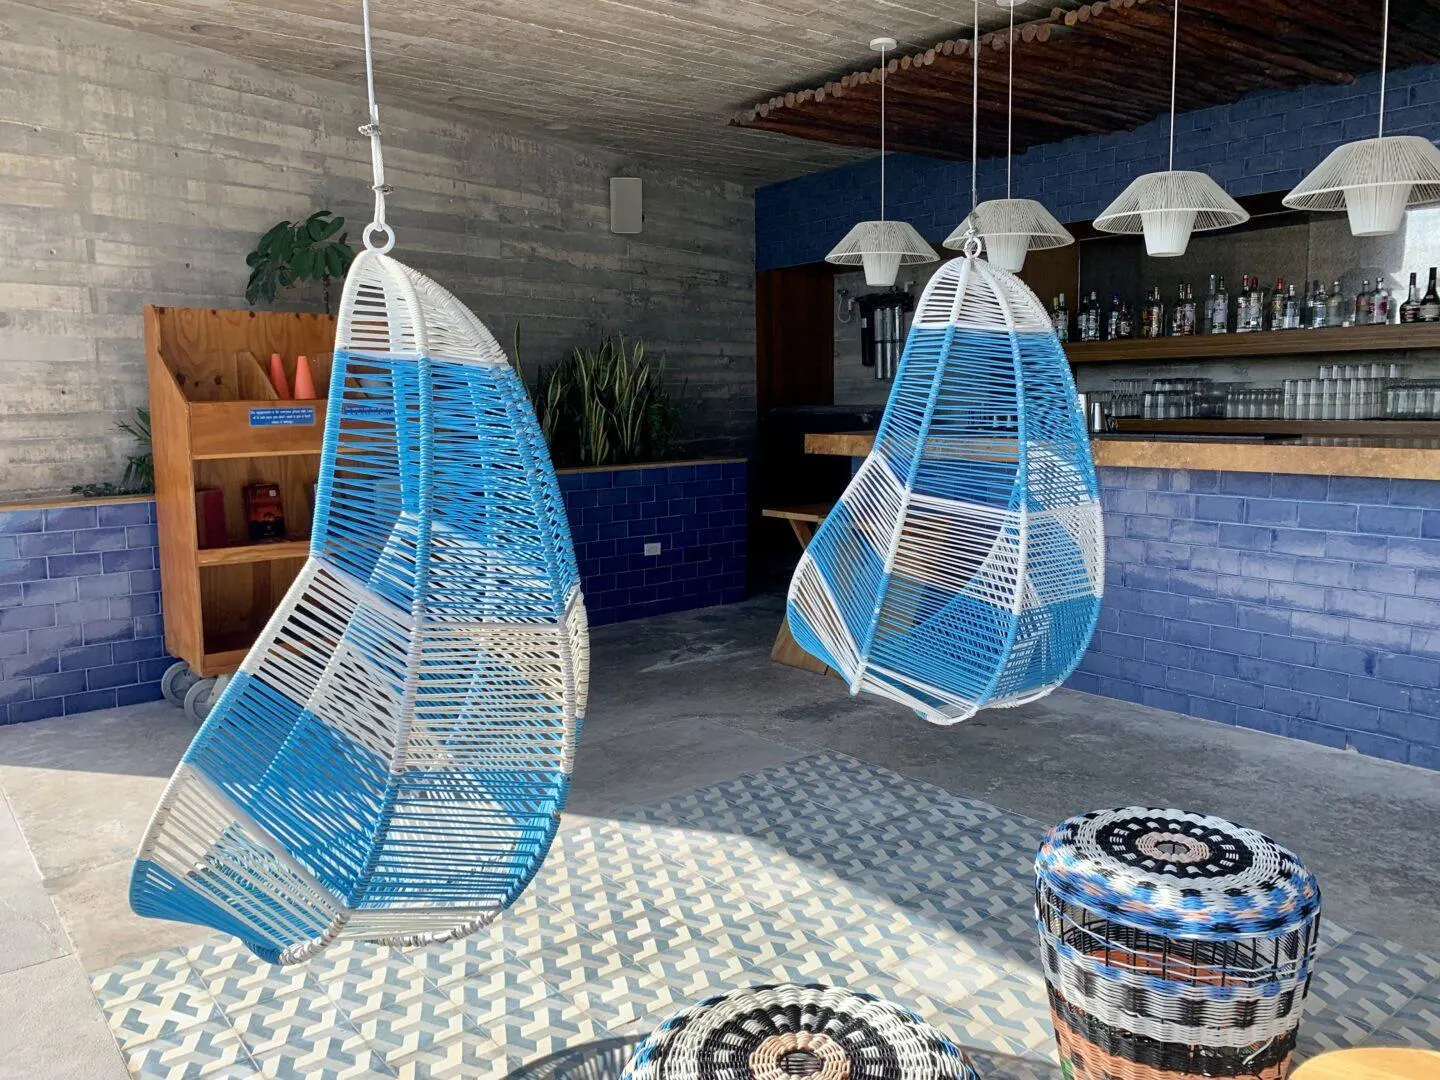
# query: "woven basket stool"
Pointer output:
{"type": "Point", "coordinates": [780, 1032]}
{"type": "Point", "coordinates": [1174, 944]}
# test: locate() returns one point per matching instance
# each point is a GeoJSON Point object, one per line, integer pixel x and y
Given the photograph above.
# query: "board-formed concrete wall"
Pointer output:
{"type": "Point", "coordinates": [134, 170]}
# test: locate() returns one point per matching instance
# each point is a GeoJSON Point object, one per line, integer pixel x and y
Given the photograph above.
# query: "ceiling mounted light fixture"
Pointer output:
{"type": "Point", "coordinates": [1373, 180]}
{"type": "Point", "coordinates": [1168, 206]}
{"type": "Point", "coordinates": [1010, 227]}
{"type": "Point", "coordinates": [882, 247]}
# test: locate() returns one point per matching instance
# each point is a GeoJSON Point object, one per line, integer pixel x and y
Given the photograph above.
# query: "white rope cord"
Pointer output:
{"type": "Point", "coordinates": [1174, 58]}
{"type": "Point", "coordinates": [883, 79]}
{"type": "Point", "coordinates": [975, 108]}
{"type": "Point", "coordinates": [1010, 103]}
{"type": "Point", "coordinates": [377, 157]}
{"type": "Point", "coordinates": [1384, 63]}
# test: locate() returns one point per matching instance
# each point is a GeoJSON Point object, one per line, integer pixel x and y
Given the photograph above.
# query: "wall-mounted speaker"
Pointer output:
{"type": "Point", "coordinates": [627, 213]}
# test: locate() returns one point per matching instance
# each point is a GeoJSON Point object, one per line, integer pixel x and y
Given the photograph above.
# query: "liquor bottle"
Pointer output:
{"type": "Point", "coordinates": [1430, 302]}
{"type": "Point", "coordinates": [1318, 306]}
{"type": "Point", "coordinates": [1112, 321]}
{"type": "Point", "coordinates": [1242, 306]}
{"type": "Point", "coordinates": [1192, 317]}
{"type": "Point", "coordinates": [1062, 320]}
{"type": "Point", "coordinates": [1410, 309]}
{"type": "Point", "coordinates": [1255, 306]}
{"type": "Point", "coordinates": [1177, 312]}
{"type": "Point", "coordinates": [1335, 307]}
{"type": "Point", "coordinates": [1291, 309]}
{"type": "Point", "coordinates": [1220, 310]}
{"type": "Point", "coordinates": [1363, 299]}
{"type": "Point", "coordinates": [1095, 317]}
{"type": "Point", "coordinates": [1277, 305]}
{"type": "Point", "coordinates": [1157, 314]}
{"type": "Point", "coordinates": [1127, 320]}
{"type": "Point", "coordinates": [1380, 303]}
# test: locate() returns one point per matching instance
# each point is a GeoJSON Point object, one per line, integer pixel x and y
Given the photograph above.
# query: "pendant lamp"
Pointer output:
{"type": "Point", "coordinates": [1010, 227]}
{"type": "Point", "coordinates": [1373, 180]}
{"type": "Point", "coordinates": [882, 247]}
{"type": "Point", "coordinates": [1168, 206]}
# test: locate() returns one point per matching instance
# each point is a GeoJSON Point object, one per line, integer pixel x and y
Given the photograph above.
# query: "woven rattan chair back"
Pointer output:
{"type": "Point", "coordinates": [390, 762]}
{"type": "Point", "coordinates": [962, 567]}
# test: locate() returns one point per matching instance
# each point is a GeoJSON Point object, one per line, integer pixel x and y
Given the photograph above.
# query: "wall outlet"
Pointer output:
{"type": "Point", "coordinates": [652, 549]}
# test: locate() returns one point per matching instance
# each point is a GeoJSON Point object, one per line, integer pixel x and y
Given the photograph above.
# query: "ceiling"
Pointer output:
{"type": "Point", "coordinates": [1099, 68]}
{"type": "Point", "coordinates": [658, 79]}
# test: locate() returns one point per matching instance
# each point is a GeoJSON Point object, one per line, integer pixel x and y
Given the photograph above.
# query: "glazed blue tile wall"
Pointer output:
{"type": "Point", "coordinates": [1306, 606]}
{"type": "Point", "coordinates": [79, 610]}
{"type": "Point", "coordinates": [696, 512]}
{"type": "Point", "coordinates": [80, 622]}
{"type": "Point", "coordinates": [1263, 142]}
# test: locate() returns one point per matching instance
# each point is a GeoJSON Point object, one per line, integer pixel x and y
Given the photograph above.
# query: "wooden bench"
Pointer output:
{"type": "Point", "coordinates": [803, 519]}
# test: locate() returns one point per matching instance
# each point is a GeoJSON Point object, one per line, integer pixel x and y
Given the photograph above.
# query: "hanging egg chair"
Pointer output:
{"type": "Point", "coordinates": [390, 762]}
{"type": "Point", "coordinates": [963, 566]}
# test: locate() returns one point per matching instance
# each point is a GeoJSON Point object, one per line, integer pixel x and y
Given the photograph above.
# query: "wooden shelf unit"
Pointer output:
{"type": "Point", "coordinates": [1267, 343]}
{"type": "Point", "coordinates": [215, 425]}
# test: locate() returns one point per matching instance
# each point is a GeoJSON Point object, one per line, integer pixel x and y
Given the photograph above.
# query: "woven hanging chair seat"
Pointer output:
{"type": "Point", "coordinates": [390, 762]}
{"type": "Point", "coordinates": [962, 567]}
{"type": "Point", "coordinates": [1174, 944]}
{"type": "Point", "coordinates": [787, 1031]}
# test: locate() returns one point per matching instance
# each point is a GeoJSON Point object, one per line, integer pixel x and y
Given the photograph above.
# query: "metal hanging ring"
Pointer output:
{"type": "Point", "coordinates": [371, 244]}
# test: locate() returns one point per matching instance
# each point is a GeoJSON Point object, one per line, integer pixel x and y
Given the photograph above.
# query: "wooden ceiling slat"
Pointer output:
{"type": "Point", "coordinates": [1105, 66]}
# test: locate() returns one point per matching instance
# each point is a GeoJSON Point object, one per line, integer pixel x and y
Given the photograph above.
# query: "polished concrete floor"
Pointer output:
{"type": "Point", "coordinates": [682, 703]}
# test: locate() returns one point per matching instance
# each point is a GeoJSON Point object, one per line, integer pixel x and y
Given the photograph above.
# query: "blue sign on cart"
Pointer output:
{"type": "Point", "coordinates": [293, 417]}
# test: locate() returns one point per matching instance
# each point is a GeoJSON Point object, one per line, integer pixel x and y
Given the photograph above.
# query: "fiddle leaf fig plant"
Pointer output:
{"type": "Point", "coordinates": [289, 253]}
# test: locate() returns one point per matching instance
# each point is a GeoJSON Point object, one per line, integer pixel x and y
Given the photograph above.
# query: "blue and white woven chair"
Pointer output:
{"type": "Point", "coordinates": [962, 567]}
{"type": "Point", "coordinates": [392, 758]}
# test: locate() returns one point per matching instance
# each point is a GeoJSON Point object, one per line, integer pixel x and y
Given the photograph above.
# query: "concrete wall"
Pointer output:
{"type": "Point", "coordinates": [138, 171]}
{"type": "Point", "coordinates": [1263, 142]}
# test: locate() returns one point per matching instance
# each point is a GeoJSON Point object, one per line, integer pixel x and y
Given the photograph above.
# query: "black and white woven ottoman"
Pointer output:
{"type": "Point", "coordinates": [1174, 945]}
{"type": "Point", "coordinates": [787, 1031]}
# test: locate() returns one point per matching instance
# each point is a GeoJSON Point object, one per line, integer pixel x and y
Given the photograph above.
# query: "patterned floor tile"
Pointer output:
{"type": "Point", "coordinates": [1416, 1024]}
{"type": "Point", "coordinates": [211, 1049]}
{"type": "Point", "coordinates": [154, 998]}
{"type": "Point", "coordinates": [824, 869]}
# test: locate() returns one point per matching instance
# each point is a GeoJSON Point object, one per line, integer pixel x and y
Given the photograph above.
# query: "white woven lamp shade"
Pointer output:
{"type": "Point", "coordinates": [1374, 181]}
{"type": "Point", "coordinates": [1167, 207]}
{"type": "Point", "coordinates": [1010, 228]}
{"type": "Point", "coordinates": [882, 247]}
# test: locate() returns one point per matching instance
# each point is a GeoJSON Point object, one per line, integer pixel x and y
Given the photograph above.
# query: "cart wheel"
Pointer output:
{"type": "Point", "coordinates": [178, 678]}
{"type": "Point", "coordinates": [199, 698]}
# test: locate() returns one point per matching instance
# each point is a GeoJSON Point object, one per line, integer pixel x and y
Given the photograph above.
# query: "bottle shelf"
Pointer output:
{"type": "Point", "coordinates": [1390, 429]}
{"type": "Point", "coordinates": [1267, 343]}
{"type": "Point", "coordinates": [251, 553]}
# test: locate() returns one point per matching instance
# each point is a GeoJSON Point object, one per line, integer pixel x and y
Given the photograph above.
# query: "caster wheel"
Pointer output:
{"type": "Point", "coordinates": [178, 678]}
{"type": "Point", "coordinates": [199, 698]}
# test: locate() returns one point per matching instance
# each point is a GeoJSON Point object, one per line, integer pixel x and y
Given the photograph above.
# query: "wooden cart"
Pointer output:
{"type": "Point", "coordinates": [218, 423]}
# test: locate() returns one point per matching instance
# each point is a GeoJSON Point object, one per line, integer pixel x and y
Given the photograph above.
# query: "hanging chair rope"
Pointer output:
{"type": "Point", "coordinates": [377, 155]}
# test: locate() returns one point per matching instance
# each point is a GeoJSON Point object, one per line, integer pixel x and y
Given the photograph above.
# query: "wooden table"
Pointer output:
{"type": "Point", "coordinates": [1372, 1063]}
{"type": "Point", "coordinates": [803, 520]}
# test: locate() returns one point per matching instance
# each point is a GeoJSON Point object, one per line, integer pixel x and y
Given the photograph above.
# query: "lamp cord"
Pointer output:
{"type": "Point", "coordinates": [883, 80]}
{"type": "Point", "coordinates": [1010, 104]}
{"type": "Point", "coordinates": [377, 158]}
{"type": "Point", "coordinates": [1174, 67]}
{"type": "Point", "coordinates": [1384, 63]}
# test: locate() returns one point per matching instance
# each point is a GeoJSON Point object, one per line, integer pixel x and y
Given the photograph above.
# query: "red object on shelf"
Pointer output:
{"type": "Point", "coordinates": [210, 518]}
{"type": "Point", "coordinates": [277, 376]}
{"type": "Point", "coordinates": [304, 380]}
{"type": "Point", "coordinates": [264, 512]}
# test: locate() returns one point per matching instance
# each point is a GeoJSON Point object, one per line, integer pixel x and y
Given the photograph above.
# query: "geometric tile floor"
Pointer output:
{"type": "Point", "coordinates": [825, 869]}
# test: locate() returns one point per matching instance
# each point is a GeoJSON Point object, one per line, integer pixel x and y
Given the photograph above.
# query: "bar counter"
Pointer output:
{"type": "Point", "coordinates": [1404, 459]}
{"type": "Point", "coordinates": [1291, 587]}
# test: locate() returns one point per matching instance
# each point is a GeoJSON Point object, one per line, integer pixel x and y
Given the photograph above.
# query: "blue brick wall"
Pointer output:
{"type": "Point", "coordinates": [79, 610]}
{"type": "Point", "coordinates": [1263, 142]}
{"type": "Point", "coordinates": [696, 512]}
{"type": "Point", "coordinates": [80, 622]}
{"type": "Point", "coordinates": [1306, 606]}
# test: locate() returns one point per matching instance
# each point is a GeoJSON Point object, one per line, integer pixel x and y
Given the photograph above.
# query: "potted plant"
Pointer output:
{"type": "Point", "coordinates": [289, 253]}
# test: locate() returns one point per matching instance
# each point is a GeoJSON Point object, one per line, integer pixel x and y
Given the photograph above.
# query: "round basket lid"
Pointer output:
{"type": "Point", "coordinates": [1177, 874]}
{"type": "Point", "coordinates": [815, 1032]}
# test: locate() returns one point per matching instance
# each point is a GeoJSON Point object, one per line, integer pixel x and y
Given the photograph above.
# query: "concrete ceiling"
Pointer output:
{"type": "Point", "coordinates": [654, 78]}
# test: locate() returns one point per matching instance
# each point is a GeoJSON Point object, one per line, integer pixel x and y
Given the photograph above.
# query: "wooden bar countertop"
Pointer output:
{"type": "Point", "coordinates": [1408, 459]}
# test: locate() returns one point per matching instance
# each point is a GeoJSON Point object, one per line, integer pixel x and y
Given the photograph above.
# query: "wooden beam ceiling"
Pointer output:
{"type": "Point", "coordinates": [1098, 68]}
